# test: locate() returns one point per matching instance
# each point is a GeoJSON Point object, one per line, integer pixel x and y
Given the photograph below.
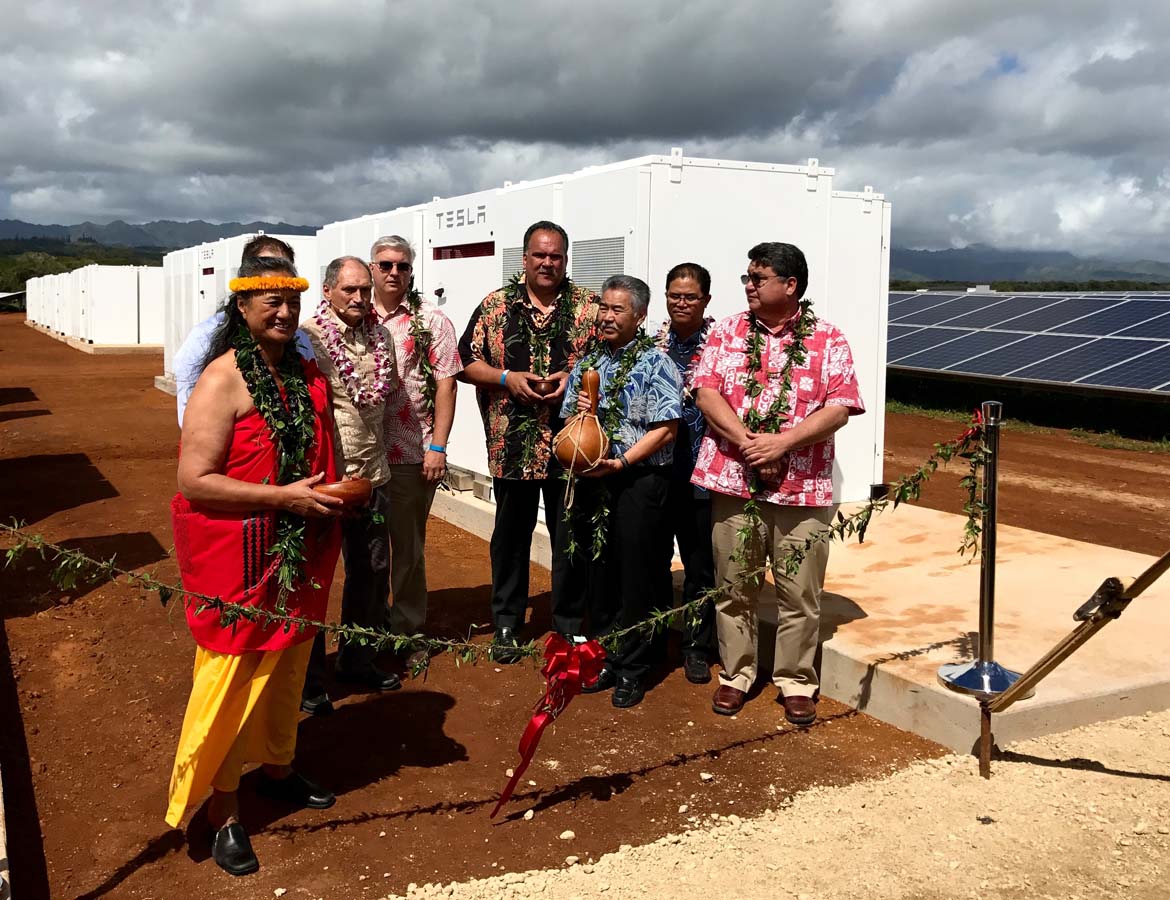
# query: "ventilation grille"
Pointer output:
{"type": "Point", "coordinates": [513, 262]}
{"type": "Point", "coordinates": [594, 261]}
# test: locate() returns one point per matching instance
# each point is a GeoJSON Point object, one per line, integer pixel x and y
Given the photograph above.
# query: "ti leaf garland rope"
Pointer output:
{"type": "Point", "coordinates": [73, 568]}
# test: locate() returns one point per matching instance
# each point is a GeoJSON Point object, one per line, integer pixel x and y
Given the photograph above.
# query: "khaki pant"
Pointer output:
{"type": "Point", "coordinates": [797, 598]}
{"type": "Point", "coordinates": [410, 504]}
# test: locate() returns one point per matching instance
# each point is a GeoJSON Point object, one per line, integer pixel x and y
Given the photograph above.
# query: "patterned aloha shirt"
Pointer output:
{"type": "Point", "coordinates": [826, 379]}
{"type": "Point", "coordinates": [408, 424]}
{"type": "Point", "coordinates": [497, 335]}
{"type": "Point", "coordinates": [693, 425]}
{"type": "Point", "coordinates": [651, 395]}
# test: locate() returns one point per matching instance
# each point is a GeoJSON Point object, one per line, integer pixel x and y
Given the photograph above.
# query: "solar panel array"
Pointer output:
{"type": "Point", "coordinates": [1095, 340]}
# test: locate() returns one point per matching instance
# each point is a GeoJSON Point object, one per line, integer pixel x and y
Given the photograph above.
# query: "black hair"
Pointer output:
{"type": "Point", "coordinates": [224, 336]}
{"type": "Point", "coordinates": [691, 270]}
{"type": "Point", "coordinates": [267, 242]}
{"type": "Point", "coordinates": [545, 225]}
{"type": "Point", "coordinates": [786, 260]}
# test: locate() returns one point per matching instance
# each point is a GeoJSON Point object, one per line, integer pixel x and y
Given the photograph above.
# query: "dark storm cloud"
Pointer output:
{"type": "Point", "coordinates": [981, 121]}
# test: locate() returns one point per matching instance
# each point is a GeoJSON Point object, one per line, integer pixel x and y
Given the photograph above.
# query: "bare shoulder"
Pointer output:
{"type": "Point", "coordinates": [221, 382]}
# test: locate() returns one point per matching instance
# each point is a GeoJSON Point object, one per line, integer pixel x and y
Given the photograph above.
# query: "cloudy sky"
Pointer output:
{"type": "Point", "coordinates": [1026, 123]}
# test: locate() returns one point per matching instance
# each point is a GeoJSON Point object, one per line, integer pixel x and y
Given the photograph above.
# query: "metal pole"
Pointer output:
{"type": "Point", "coordinates": [984, 677]}
{"type": "Point", "coordinates": [992, 416]}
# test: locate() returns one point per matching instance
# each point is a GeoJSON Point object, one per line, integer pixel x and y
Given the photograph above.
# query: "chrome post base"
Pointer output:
{"type": "Point", "coordinates": [977, 678]}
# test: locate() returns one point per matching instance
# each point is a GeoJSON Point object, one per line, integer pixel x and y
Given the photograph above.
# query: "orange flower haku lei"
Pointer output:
{"type": "Point", "coordinates": [268, 283]}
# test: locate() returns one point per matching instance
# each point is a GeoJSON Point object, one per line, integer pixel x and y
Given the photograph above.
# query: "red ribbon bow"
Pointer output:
{"type": "Point", "coordinates": [976, 426]}
{"type": "Point", "coordinates": [567, 668]}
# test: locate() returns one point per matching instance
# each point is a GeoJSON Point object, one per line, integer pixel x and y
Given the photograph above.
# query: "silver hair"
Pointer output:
{"type": "Point", "coordinates": [638, 290]}
{"type": "Point", "coordinates": [333, 270]}
{"type": "Point", "coordinates": [393, 242]}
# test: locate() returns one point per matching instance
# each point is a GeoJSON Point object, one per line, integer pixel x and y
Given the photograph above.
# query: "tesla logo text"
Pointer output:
{"type": "Point", "coordinates": [454, 218]}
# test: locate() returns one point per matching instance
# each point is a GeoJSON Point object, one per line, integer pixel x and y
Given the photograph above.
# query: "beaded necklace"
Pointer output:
{"type": "Point", "coordinates": [362, 395]}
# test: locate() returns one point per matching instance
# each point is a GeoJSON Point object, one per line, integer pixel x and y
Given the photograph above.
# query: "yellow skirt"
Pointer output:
{"type": "Point", "coordinates": [243, 709]}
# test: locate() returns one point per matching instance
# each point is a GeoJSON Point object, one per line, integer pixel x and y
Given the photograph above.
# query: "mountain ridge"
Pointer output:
{"type": "Point", "coordinates": [164, 233]}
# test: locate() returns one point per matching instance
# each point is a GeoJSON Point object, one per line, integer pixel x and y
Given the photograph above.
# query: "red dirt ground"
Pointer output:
{"type": "Point", "coordinates": [93, 683]}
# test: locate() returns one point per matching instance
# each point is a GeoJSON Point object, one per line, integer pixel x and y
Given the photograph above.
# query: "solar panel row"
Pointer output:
{"type": "Point", "coordinates": [1106, 340]}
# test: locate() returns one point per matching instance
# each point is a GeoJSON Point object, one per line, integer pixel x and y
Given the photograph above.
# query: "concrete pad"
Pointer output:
{"type": "Point", "coordinates": [110, 349]}
{"type": "Point", "coordinates": [904, 603]}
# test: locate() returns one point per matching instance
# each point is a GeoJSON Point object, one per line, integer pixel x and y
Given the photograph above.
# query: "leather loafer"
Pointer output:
{"type": "Point", "coordinates": [696, 669]}
{"type": "Point", "coordinates": [232, 851]}
{"type": "Point", "coordinates": [728, 700]}
{"type": "Point", "coordinates": [605, 679]}
{"type": "Point", "coordinates": [320, 705]}
{"type": "Point", "coordinates": [372, 677]}
{"type": "Point", "coordinates": [505, 646]}
{"type": "Point", "coordinates": [629, 692]}
{"type": "Point", "coordinates": [800, 710]}
{"type": "Point", "coordinates": [296, 790]}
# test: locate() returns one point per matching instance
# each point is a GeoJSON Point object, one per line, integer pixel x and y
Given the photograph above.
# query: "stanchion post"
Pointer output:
{"type": "Point", "coordinates": [984, 677]}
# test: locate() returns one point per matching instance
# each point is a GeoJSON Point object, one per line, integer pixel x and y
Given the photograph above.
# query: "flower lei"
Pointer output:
{"type": "Point", "coordinates": [610, 415]}
{"type": "Point", "coordinates": [290, 421]}
{"type": "Point", "coordinates": [770, 420]}
{"type": "Point", "coordinates": [362, 395]}
{"type": "Point", "coordinates": [527, 420]}
{"type": "Point", "coordinates": [423, 339]}
{"type": "Point", "coordinates": [662, 339]}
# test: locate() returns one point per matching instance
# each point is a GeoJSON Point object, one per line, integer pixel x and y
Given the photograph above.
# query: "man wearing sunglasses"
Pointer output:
{"type": "Point", "coordinates": [417, 421]}
{"type": "Point", "coordinates": [784, 464]}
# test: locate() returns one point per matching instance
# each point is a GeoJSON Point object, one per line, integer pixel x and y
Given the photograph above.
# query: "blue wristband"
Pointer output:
{"type": "Point", "coordinates": [438, 448]}
{"type": "Point", "coordinates": [504, 377]}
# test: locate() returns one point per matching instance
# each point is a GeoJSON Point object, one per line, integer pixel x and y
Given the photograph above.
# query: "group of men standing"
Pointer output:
{"type": "Point", "coordinates": [689, 459]}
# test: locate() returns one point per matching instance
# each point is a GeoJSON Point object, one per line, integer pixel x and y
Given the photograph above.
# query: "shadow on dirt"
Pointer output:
{"type": "Point", "coordinates": [36, 487]}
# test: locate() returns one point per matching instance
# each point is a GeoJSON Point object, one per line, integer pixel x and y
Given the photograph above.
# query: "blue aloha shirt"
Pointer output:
{"type": "Point", "coordinates": [652, 395]}
{"type": "Point", "coordinates": [681, 352]}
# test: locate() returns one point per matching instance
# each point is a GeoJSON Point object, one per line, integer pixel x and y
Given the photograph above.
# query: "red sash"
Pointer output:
{"type": "Point", "coordinates": [225, 555]}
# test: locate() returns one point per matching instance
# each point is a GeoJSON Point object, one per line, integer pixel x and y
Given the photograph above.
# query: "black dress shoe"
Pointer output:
{"type": "Point", "coordinates": [371, 677]}
{"type": "Point", "coordinates": [696, 669]}
{"type": "Point", "coordinates": [232, 851]}
{"type": "Point", "coordinates": [629, 692]}
{"type": "Point", "coordinates": [320, 705]}
{"type": "Point", "coordinates": [505, 646]}
{"type": "Point", "coordinates": [296, 790]}
{"type": "Point", "coordinates": [603, 682]}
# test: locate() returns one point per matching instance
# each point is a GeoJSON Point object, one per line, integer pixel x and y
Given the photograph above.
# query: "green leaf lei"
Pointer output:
{"type": "Point", "coordinates": [423, 340]}
{"type": "Point", "coordinates": [526, 419]}
{"type": "Point", "coordinates": [610, 415]}
{"type": "Point", "coordinates": [770, 420]}
{"type": "Point", "coordinates": [290, 421]}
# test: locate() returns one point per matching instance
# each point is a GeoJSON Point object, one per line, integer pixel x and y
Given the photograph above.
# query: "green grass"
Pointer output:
{"type": "Point", "coordinates": [1108, 440]}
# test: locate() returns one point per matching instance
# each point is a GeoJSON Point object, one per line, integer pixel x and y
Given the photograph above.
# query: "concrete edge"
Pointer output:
{"type": "Point", "coordinates": [952, 719]}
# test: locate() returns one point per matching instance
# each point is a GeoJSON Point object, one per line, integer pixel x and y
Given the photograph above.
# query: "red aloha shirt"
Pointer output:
{"type": "Point", "coordinates": [519, 438]}
{"type": "Point", "coordinates": [408, 424]}
{"type": "Point", "coordinates": [826, 379]}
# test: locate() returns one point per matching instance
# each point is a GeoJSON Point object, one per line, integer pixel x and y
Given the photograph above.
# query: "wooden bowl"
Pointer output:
{"type": "Point", "coordinates": [354, 492]}
{"type": "Point", "coordinates": [544, 386]}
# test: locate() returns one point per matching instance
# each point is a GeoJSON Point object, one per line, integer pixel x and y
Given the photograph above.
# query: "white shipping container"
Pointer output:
{"type": "Point", "coordinates": [641, 217]}
{"type": "Point", "coordinates": [150, 305]}
{"type": "Point", "coordinates": [195, 282]}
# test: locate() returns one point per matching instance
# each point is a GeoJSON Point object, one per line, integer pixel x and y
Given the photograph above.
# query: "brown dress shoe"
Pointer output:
{"type": "Point", "coordinates": [800, 710]}
{"type": "Point", "coordinates": [728, 700]}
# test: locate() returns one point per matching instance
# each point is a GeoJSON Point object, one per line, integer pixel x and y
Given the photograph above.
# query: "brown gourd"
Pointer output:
{"type": "Point", "coordinates": [582, 443]}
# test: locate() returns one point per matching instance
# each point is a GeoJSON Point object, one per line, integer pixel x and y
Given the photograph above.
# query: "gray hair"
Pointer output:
{"type": "Point", "coordinates": [393, 242]}
{"type": "Point", "coordinates": [333, 270]}
{"type": "Point", "coordinates": [638, 290]}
